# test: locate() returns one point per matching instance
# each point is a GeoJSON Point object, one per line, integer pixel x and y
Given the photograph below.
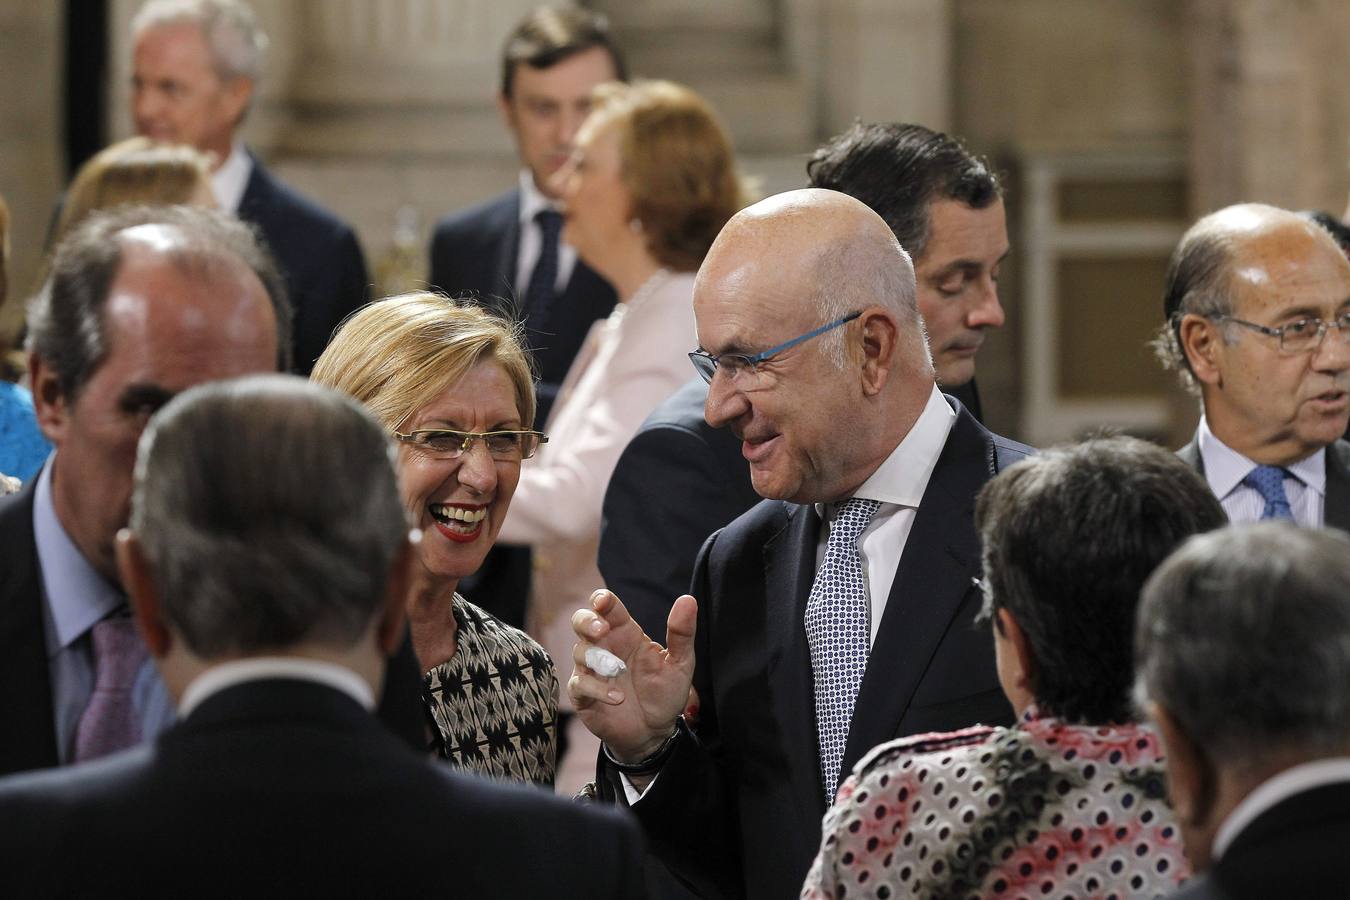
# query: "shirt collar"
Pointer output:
{"type": "Point", "coordinates": [76, 595]}
{"type": "Point", "coordinates": [231, 179]}
{"type": "Point", "coordinates": [903, 476]}
{"type": "Point", "coordinates": [1286, 784]}
{"type": "Point", "coordinates": [532, 200]}
{"type": "Point", "coordinates": [261, 668]}
{"type": "Point", "coordinates": [1225, 467]}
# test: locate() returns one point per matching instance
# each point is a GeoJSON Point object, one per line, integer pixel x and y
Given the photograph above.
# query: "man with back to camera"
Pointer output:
{"type": "Point", "coordinates": [510, 246]}
{"type": "Point", "coordinates": [839, 614]}
{"type": "Point", "coordinates": [267, 558]}
{"type": "Point", "coordinates": [1256, 306]}
{"type": "Point", "coordinates": [679, 479]}
{"type": "Point", "coordinates": [140, 303]}
{"type": "Point", "coordinates": [1242, 657]}
{"type": "Point", "coordinates": [196, 64]}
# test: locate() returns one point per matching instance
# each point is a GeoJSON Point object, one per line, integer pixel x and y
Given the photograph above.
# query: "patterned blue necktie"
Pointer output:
{"type": "Point", "coordinates": [839, 635]}
{"type": "Point", "coordinates": [1268, 481]}
{"type": "Point", "coordinates": [542, 289]}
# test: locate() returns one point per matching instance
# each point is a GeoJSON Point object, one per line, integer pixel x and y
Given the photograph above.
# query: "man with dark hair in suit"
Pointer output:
{"type": "Point", "coordinates": [510, 247]}
{"type": "Point", "coordinates": [679, 479]}
{"type": "Point", "coordinates": [268, 557]}
{"type": "Point", "coordinates": [945, 206]}
{"type": "Point", "coordinates": [837, 614]}
{"type": "Point", "coordinates": [196, 64]}
{"type": "Point", "coordinates": [140, 303]}
{"type": "Point", "coordinates": [1242, 658]}
{"type": "Point", "coordinates": [1256, 309]}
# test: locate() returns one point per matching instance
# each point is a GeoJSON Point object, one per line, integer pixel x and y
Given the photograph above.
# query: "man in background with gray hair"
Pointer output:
{"type": "Point", "coordinates": [1256, 307]}
{"type": "Point", "coordinates": [267, 558]}
{"type": "Point", "coordinates": [196, 65]}
{"type": "Point", "coordinates": [1243, 657]}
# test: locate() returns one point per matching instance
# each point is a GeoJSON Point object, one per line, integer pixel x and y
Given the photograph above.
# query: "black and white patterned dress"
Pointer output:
{"type": "Point", "coordinates": [495, 702]}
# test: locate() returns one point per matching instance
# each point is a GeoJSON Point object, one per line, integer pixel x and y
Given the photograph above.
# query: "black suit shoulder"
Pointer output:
{"type": "Point", "coordinates": [301, 792]}
{"type": "Point", "coordinates": [25, 683]}
{"type": "Point", "coordinates": [473, 250]}
{"type": "Point", "coordinates": [676, 482]}
{"type": "Point", "coordinates": [319, 257]}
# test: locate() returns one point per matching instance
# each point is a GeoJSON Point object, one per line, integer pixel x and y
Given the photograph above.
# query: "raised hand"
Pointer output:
{"type": "Point", "coordinates": [634, 712]}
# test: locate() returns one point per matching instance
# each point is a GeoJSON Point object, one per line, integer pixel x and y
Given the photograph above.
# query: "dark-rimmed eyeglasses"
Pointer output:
{"type": "Point", "coordinates": [1298, 336]}
{"type": "Point", "coordinates": [504, 446]}
{"type": "Point", "coordinates": [733, 364]}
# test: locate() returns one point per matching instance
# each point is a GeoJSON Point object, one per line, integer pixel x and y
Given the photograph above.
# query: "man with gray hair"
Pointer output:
{"type": "Point", "coordinates": [140, 303]}
{"type": "Point", "coordinates": [832, 617]}
{"type": "Point", "coordinates": [1256, 307]}
{"type": "Point", "coordinates": [268, 557]}
{"type": "Point", "coordinates": [196, 65]}
{"type": "Point", "coordinates": [1242, 658]}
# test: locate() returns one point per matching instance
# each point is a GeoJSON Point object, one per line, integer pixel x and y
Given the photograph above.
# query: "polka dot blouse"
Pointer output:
{"type": "Point", "coordinates": [1040, 810]}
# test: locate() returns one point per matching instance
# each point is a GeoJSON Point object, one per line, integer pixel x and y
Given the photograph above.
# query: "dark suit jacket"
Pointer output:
{"type": "Point", "coordinates": [1335, 508]}
{"type": "Point", "coordinates": [288, 788]}
{"type": "Point", "coordinates": [737, 810]}
{"type": "Point", "coordinates": [678, 480]}
{"type": "Point", "coordinates": [473, 252]}
{"type": "Point", "coordinates": [25, 685]}
{"type": "Point", "coordinates": [969, 395]}
{"type": "Point", "coordinates": [319, 258]}
{"type": "Point", "coordinates": [1294, 849]}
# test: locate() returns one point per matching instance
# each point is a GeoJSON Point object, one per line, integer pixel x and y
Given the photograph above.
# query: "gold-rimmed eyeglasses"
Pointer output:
{"type": "Point", "coordinates": [504, 446]}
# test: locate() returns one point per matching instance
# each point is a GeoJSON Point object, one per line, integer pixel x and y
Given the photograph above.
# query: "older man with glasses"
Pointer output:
{"type": "Point", "coordinates": [1257, 303]}
{"type": "Point", "coordinates": [836, 615]}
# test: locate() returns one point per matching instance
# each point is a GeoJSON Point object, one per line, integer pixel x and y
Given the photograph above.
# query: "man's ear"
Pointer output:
{"type": "Point", "coordinates": [141, 591]}
{"type": "Point", "coordinates": [879, 335]}
{"type": "Point", "coordinates": [1190, 776]}
{"type": "Point", "coordinates": [237, 92]}
{"type": "Point", "coordinates": [508, 112]}
{"type": "Point", "coordinates": [1021, 649]}
{"type": "Point", "coordinates": [1200, 340]}
{"type": "Point", "coordinates": [394, 608]}
{"type": "Point", "coordinates": [50, 403]}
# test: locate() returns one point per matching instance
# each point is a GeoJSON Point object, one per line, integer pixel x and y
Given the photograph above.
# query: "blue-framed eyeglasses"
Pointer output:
{"type": "Point", "coordinates": [733, 364]}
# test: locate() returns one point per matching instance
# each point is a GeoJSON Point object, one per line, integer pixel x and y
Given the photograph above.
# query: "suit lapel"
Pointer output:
{"type": "Point", "coordinates": [940, 559]}
{"type": "Point", "coordinates": [1336, 509]}
{"type": "Point", "coordinates": [789, 569]}
{"type": "Point", "coordinates": [509, 250]}
{"type": "Point", "coordinates": [25, 684]}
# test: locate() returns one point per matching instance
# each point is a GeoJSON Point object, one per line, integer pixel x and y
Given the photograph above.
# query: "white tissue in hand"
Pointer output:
{"type": "Point", "coordinates": [603, 663]}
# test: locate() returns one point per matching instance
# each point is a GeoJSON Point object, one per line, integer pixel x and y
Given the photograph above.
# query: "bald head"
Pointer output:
{"type": "Point", "coordinates": [797, 263]}
{"type": "Point", "coordinates": [836, 253]}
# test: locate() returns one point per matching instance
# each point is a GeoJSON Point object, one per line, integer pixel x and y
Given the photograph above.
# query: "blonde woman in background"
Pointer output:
{"type": "Point", "coordinates": [652, 181]}
{"type": "Point", "coordinates": [136, 170]}
{"type": "Point", "coordinates": [453, 386]}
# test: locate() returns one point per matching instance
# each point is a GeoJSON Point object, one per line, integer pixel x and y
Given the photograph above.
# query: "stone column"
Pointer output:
{"type": "Point", "coordinates": [1270, 104]}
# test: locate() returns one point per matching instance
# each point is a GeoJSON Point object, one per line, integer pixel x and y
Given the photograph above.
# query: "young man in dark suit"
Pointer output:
{"type": "Point", "coordinates": [832, 617]}
{"type": "Point", "coordinates": [268, 557]}
{"type": "Point", "coordinates": [508, 250]}
{"type": "Point", "coordinates": [1243, 654]}
{"type": "Point", "coordinates": [195, 68]}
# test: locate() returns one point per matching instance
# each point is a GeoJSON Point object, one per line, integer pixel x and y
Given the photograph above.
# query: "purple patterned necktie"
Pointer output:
{"type": "Point", "coordinates": [839, 635]}
{"type": "Point", "coordinates": [110, 722]}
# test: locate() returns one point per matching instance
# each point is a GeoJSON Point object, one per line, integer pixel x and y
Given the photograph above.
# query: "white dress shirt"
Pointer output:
{"type": "Point", "coordinates": [1305, 485]}
{"type": "Point", "coordinates": [262, 668]}
{"type": "Point", "coordinates": [231, 179]}
{"type": "Point", "coordinates": [898, 484]}
{"type": "Point", "coordinates": [532, 202]}
{"type": "Point", "coordinates": [1291, 781]}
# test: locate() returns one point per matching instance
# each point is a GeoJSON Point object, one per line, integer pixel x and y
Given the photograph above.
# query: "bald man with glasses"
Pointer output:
{"type": "Point", "coordinates": [1257, 304]}
{"type": "Point", "coordinates": [838, 613]}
